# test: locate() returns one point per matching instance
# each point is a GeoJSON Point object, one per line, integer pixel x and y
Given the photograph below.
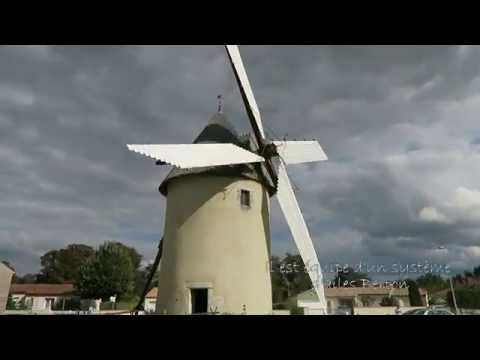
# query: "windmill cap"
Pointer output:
{"type": "Point", "coordinates": [218, 130]}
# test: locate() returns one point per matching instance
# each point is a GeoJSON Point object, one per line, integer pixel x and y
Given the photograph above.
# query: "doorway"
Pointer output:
{"type": "Point", "coordinates": [199, 301]}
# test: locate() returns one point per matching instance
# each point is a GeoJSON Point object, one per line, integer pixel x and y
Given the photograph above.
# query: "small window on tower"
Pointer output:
{"type": "Point", "coordinates": [245, 199]}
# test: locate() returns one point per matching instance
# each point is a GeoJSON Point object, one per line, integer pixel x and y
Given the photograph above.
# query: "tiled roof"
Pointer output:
{"type": "Point", "coordinates": [152, 294]}
{"type": "Point", "coordinates": [42, 289]}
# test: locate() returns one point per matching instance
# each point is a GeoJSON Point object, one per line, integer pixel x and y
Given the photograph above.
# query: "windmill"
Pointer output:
{"type": "Point", "coordinates": [216, 247]}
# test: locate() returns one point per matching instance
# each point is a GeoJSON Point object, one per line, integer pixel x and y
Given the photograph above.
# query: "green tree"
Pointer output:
{"type": "Point", "coordinates": [25, 279]}
{"type": "Point", "coordinates": [289, 278]}
{"type": "Point", "coordinates": [132, 252]}
{"type": "Point", "coordinates": [414, 293]}
{"type": "Point", "coordinates": [432, 283]}
{"type": "Point", "coordinates": [279, 286]}
{"type": "Point", "coordinates": [467, 298]}
{"type": "Point", "coordinates": [476, 271]}
{"type": "Point", "coordinates": [140, 277]}
{"type": "Point", "coordinates": [350, 278]}
{"type": "Point", "coordinates": [110, 272]}
{"type": "Point", "coordinates": [295, 275]}
{"type": "Point", "coordinates": [145, 274]}
{"type": "Point", "coordinates": [62, 265]}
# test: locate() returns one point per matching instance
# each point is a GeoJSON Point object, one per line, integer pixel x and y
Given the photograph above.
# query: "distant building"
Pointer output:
{"type": "Point", "coordinates": [42, 297]}
{"type": "Point", "coordinates": [6, 275]}
{"type": "Point", "coordinates": [151, 300]}
{"type": "Point", "coordinates": [345, 300]}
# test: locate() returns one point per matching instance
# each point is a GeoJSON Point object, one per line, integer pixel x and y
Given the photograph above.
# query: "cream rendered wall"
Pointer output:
{"type": "Point", "coordinates": [5, 281]}
{"type": "Point", "coordinates": [211, 242]}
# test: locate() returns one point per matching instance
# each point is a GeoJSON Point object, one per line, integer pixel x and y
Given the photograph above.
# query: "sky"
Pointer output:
{"type": "Point", "coordinates": [398, 123]}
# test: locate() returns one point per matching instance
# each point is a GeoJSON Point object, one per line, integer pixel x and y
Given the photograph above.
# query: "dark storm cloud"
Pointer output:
{"type": "Point", "coordinates": [399, 124]}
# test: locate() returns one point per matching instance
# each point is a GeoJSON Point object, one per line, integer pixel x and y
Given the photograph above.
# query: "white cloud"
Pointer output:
{"type": "Point", "coordinates": [473, 251]}
{"type": "Point", "coordinates": [467, 199]}
{"type": "Point", "coordinates": [431, 214]}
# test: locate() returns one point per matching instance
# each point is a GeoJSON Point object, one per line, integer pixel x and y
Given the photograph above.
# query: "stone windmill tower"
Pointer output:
{"type": "Point", "coordinates": [216, 245]}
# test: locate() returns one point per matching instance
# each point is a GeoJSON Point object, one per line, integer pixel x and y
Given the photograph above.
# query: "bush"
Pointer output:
{"type": "Point", "coordinates": [10, 303]}
{"type": "Point", "coordinates": [280, 307]}
{"type": "Point", "coordinates": [389, 301]}
{"type": "Point", "coordinates": [366, 300]}
{"type": "Point", "coordinates": [20, 305]}
{"type": "Point", "coordinates": [296, 311]}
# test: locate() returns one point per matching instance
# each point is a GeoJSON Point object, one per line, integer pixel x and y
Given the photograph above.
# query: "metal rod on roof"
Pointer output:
{"type": "Point", "coordinates": [220, 104]}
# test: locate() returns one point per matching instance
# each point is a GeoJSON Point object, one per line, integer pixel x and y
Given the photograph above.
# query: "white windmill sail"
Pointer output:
{"type": "Point", "coordinates": [291, 153]}
{"type": "Point", "coordinates": [301, 236]}
{"type": "Point", "coordinates": [197, 155]}
{"type": "Point", "coordinates": [298, 152]}
{"type": "Point", "coordinates": [246, 90]}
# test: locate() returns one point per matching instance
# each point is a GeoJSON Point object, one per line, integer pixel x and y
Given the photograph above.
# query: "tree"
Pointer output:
{"type": "Point", "coordinates": [350, 278]}
{"type": "Point", "coordinates": [280, 291]}
{"type": "Point", "coordinates": [146, 272]}
{"type": "Point", "coordinates": [294, 275]}
{"type": "Point", "coordinates": [25, 279]}
{"type": "Point", "coordinates": [476, 271]}
{"type": "Point", "coordinates": [467, 298]}
{"type": "Point", "coordinates": [109, 272]}
{"type": "Point", "coordinates": [289, 278]}
{"type": "Point", "coordinates": [432, 282]}
{"type": "Point", "coordinates": [414, 293]}
{"type": "Point", "coordinates": [62, 265]}
{"type": "Point", "coordinates": [134, 255]}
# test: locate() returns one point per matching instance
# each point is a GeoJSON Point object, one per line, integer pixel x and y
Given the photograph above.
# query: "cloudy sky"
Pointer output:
{"type": "Point", "coordinates": [399, 123]}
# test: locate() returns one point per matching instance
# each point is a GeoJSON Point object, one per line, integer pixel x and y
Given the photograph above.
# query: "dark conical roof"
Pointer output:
{"type": "Point", "coordinates": [218, 130]}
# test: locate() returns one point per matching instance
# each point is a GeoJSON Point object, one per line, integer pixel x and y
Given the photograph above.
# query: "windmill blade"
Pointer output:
{"type": "Point", "coordinates": [198, 155]}
{"type": "Point", "coordinates": [298, 152]}
{"type": "Point", "coordinates": [298, 228]}
{"type": "Point", "coordinates": [246, 91]}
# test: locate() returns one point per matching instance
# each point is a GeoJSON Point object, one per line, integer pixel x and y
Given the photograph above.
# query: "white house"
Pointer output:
{"type": "Point", "coordinates": [349, 301]}
{"type": "Point", "coordinates": [42, 297]}
{"type": "Point", "coordinates": [5, 279]}
{"type": "Point", "coordinates": [151, 300]}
